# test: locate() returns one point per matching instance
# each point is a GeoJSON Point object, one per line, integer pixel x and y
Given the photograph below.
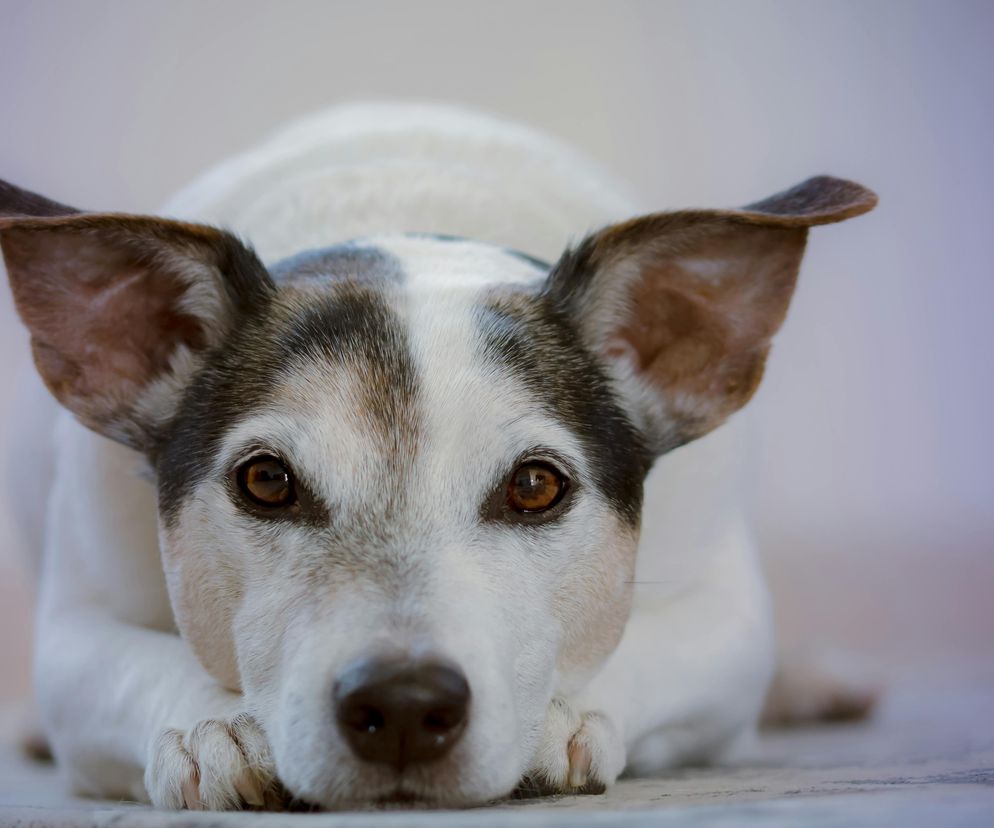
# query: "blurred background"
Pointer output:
{"type": "Point", "coordinates": [875, 476]}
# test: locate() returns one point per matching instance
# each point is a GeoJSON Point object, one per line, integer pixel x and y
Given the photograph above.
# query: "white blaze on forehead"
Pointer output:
{"type": "Point", "coordinates": [476, 418]}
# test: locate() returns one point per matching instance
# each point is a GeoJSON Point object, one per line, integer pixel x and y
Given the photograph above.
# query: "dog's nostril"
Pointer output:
{"type": "Point", "coordinates": [364, 719]}
{"type": "Point", "coordinates": [441, 721]}
{"type": "Point", "coordinates": [401, 712]}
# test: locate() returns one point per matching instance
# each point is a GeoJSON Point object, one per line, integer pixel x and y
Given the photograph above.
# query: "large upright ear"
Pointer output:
{"type": "Point", "coordinates": [683, 305]}
{"type": "Point", "coordinates": [122, 308]}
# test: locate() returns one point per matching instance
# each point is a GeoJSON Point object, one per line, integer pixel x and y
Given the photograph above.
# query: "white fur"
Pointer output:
{"type": "Point", "coordinates": [687, 679]}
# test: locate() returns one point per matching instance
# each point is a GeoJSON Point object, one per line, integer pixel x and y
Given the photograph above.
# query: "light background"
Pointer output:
{"type": "Point", "coordinates": [874, 487]}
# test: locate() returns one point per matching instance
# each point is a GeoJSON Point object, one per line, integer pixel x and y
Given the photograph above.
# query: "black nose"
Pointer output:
{"type": "Point", "coordinates": [401, 712]}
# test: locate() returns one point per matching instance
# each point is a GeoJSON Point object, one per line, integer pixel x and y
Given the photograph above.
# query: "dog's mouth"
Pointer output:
{"type": "Point", "coordinates": [397, 799]}
{"type": "Point", "coordinates": [400, 799]}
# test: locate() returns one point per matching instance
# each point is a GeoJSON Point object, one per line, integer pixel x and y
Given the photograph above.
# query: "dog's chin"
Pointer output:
{"type": "Point", "coordinates": [404, 794]}
{"type": "Point", "coordinates": [400, 798]}
{"type": "Point", "coordinates": [404, 799]}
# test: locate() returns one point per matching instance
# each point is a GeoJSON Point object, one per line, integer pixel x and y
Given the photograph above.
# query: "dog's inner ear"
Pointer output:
{"type": "Point", "coordinates": [685, 304]}
{"type": "Point", "coordinates": [120, 308]}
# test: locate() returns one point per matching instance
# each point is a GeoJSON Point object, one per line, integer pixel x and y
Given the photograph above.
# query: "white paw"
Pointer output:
{"type": "Point", "coordinates": [579, 753]}
{"type": "Point", "coordinates": [221, 764]}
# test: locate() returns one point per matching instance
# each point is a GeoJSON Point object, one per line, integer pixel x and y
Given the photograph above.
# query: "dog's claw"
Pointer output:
{"type": "Point", "coordinates": [248, 790]}
{"type": "Point", "coordinates": [579, 763]}
{"type": "Point", "coordinates": [190, 789]}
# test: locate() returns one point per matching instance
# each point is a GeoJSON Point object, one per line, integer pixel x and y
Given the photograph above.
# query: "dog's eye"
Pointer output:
{"type": "Point", "coordinates": [535, 487]}
{"type": "Point", "coordinates": [266, 481]}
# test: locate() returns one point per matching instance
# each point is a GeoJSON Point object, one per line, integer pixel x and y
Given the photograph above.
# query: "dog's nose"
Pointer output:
{"type": "Point", "coordinates": [401, 712]}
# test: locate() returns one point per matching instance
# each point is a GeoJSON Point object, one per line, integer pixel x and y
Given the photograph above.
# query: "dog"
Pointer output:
{"type": "Point", "coordinates": [351, 516]}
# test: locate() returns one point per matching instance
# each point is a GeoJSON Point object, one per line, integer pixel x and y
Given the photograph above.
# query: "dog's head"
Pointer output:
{"type": "Point", "coordinates": [400, 479]}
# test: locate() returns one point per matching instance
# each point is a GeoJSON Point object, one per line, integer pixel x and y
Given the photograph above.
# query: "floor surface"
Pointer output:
{"type": "Point", "coordinates": [926, 758]}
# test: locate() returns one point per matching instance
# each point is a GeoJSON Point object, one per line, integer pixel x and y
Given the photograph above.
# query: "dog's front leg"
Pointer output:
{"type": "Point", "coordinates": [139, 718]}
{"type": "Point", "coordinates": [686, 684]}
{"type": "Point", "coordinates": [129, 710]}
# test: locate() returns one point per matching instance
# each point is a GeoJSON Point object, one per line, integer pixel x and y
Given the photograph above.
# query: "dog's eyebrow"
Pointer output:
{"type": "Point", "coordinates": [303, 330]}
{"type": "Point", "coordinates": [524, 335]}
{"type": "Point", "coordinates": [356, 325]}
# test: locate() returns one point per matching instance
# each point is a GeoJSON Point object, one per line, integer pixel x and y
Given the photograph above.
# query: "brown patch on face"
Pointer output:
{"type": "Point", "coordinates": [525, 335]}
{"type": "Point", "coordinates": [594, 601]}
{"type": "Point", "coordinates": [354, 325]}
{"type": "Point", "coordinates": [205, 598]}
{"type": "Point", "coordinates": [341, 333]}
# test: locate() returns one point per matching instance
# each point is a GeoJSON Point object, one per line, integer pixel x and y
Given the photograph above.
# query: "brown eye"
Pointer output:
{"type": "Point", "coordinates": [267, 482]}
{"type": "Point", "coordinates": [535, 487]}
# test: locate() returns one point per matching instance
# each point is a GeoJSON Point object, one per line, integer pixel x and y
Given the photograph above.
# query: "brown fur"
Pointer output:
{"type": "Point", "coordinates": [704, 340]}
{"type": "Point", "coordinates": [103, 298]}
{"type": "Point", "coordinates": [603, 587]}
{"type": "Point", "coordinates": [205, 601]}
{"type": "Point", "coordinates": [696, 296]}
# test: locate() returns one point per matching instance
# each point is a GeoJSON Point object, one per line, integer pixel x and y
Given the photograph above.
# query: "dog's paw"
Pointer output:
{"type": "Point", "coordinates": [221, 764]}
{"type": "Point", "coordinates": [580, 753]}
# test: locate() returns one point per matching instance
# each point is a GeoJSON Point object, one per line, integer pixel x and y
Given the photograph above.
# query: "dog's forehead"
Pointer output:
{"type": "Point", "coordinates": [440, 263]}
{"type": "Point", "coordinates": [396, 360]}
{"type": "Point", "coordinates": [363, 262]}
{"type": "Point", "coordinates": [381, 351]}
{"type": "Point", "coordinates": [391, 364]}
{"type": "Point", "coordinates": [419, 260]}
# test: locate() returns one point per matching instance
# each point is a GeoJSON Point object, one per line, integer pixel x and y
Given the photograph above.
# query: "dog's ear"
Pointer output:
{"type": "Point", "coordinates": [684, 305]}
{"type": "Point", "coordinates": [121, 308]}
